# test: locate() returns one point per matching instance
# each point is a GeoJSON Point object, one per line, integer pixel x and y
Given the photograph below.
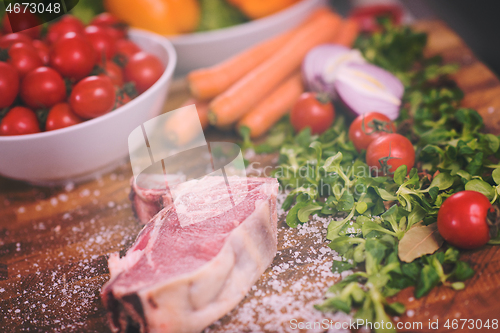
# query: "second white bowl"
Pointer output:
{"type": "Point", "coordinates": [203, 49]}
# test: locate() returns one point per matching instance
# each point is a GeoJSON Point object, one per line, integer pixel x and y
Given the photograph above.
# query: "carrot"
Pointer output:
{"type": "Point", "coordinates": [209, 82]}
{"type": "Point", "coordinates": [181, 130]}
{"type": "Point", "coordinates": [244, 94]}
{"type": "Point", "coordinates": [349, 30]}
{"type": "Point", "coordinates": [272, 108]}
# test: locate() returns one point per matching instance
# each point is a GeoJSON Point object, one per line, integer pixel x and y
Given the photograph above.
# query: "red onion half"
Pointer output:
{"type": "Point", "coordinates": [364, 88]}
{"type": "Point", "coordinates": [321, 65]}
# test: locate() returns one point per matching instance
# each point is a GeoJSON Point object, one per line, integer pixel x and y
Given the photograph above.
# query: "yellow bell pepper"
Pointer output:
{"type": "Point", "coordinates": [255, 9]}
{"type": "Point", "coordinates": [165, 17]}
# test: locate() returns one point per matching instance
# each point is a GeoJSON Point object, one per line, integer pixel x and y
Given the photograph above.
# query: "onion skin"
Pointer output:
{"type": "Point", "coordinates": [321, 63]}
{"type": "Point", "coordinates": [371, 88]}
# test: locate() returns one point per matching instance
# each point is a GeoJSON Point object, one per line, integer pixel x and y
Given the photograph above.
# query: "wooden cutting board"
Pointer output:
{"type": "Point", "coordinates": [54, 244]}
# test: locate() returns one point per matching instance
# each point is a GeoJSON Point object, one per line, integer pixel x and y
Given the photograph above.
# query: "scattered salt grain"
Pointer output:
{"type": "Point", "coordinates": [285, 292]}
{"type": "Point", "coordinates": [69, 187]}
{"type": "Point", "coordinates": [62, 197]}
{"type": "Point", "coordinates": [85, 193]}
{"type": "Point", "coordinates": [21, 210]}
{"type": "Point", "coordinates": [410, 313]}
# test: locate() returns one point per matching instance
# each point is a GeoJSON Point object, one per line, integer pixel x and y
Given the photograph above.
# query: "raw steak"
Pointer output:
{"type": "Point", "coordinates": [149, 195]}
{"type": "Point", "coordinates": [185, 271]}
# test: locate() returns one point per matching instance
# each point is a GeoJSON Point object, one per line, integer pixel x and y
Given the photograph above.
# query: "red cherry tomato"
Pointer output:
{"type": "Point", "coordinates": [368, 127]}
{"type": "Point", "coordinates": [92, 97]}
{"type": "Point", "coordinates": [23, 22]}
{"type": "Point", "coordinates": [42, 88]}
{"type": "Point", "coordinates": [116, 29]}
{"type": "Point", "coordinates": [462, 219]}
{"type": "Point", "coordinates": [389, 152]}
{"type": "Point", "coordinates": [313, 111]}
{"type": "Point", "coordinates": [43, 50]}
{"type": "Point", "coordinates": [367, 15]}
{"type": "Point", "coordinates": [103, 43]}
{"type": "Point", "coordinates": [126, 48]}
{"type": "Point", "coordinates": [19, 120]}
{"type": "Point", "coordinates": [144, 70]}
{"type": "Point", "coordinates": [60, 116]}
{"type": "Point", "coordinates": [67, 23]}
{"type": "Point", "coordinates": [11, 39]}
{"type": "Point", "coordinates": [114, 72]}
{"type": "Point", "coordinates": [24, 57]}
{"type": "Point", "coordinates": [73, 56]}
{"type": "Point", "coordinates": [9, 84]}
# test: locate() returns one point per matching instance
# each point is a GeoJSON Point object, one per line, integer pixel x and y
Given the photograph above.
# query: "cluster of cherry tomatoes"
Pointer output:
{"type": "Point", "coordinates": [385, 149]}
{"type": "Point", "coordinates": [374, 132]}
{"type": "Point", "coordinates": [69, 73]}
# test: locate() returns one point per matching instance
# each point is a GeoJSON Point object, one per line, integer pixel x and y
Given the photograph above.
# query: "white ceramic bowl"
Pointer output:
{"type": "Point", "coordinates": [75, 153]}
{"type": "Point", "coordinates": [202, 49]}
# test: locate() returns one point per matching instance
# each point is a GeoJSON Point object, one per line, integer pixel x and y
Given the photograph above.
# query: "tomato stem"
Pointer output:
{"type": "Point", "coordinates": [376, 125]}
{"type": "Point", "coordinates": [322, 98]}
{"type": "Point", "coordinates": [383, 161]}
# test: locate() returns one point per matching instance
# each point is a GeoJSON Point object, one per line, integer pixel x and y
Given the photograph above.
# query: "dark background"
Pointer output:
{"type": "Point", "coordinates": [476, 21]}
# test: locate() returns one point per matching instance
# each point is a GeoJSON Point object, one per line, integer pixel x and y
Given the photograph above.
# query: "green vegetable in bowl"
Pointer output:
{"type": "Point", "coordinates": [217, 14]}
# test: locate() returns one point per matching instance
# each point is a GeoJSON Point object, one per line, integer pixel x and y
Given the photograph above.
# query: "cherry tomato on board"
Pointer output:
{"type": "Point", "coordinates": [144, 70]}
{"type": "Point", "coordinates": [389, 152]}
{"type": "Point", "coordinates": [67, 23]}
{"type": "Point", "coordinates": [9, 84]}
{"type": "Point", "coordinates": [368, 127]}
{"type": "Point", "coordinates": [92, 97]}
{"type": "Point", "coordinates": [11, 39]}
{"type": "Point", "coordinates": [314, 111]}
{"type": "Point", "coordinates": [24, 57]}
{"type": "Point", "coordinates": [19, 120]}
{"type": "Point", "coordinates": [73, 56]}
{"type": "Point", "coordinates": [60, 116]}
{"type": "Point", "coordinates": [367, 15]}
{"type": "Point", "coordinates": [42, 88]}
{"type": "Point", "coordinates": [103, 44]}
{"type": "Point", "coordinates": [463, 219]}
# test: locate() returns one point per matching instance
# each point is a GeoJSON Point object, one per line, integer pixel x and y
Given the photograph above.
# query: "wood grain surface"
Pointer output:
{"type": "Point", "coordinates": [54, 244]}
